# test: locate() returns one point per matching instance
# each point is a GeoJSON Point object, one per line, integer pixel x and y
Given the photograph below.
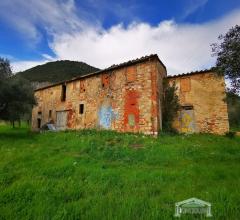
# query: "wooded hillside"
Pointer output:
{"type": "Point", "coordinates": [57, 71]}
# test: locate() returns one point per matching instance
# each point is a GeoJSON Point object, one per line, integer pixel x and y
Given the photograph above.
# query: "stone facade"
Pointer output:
{"type": "Point", "coordinates": [123, 98]}
{"type": "Point", "coordinates": [203, 107]}
{"type": "Point", "coordinates": [127, 98]}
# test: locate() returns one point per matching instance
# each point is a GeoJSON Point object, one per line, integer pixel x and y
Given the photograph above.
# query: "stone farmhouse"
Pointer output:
{"type": "Point", "coordinates": [128, 98]}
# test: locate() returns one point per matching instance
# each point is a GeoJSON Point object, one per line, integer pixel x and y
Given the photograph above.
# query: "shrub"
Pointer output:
{"type": "Point", "coordinates": [230, 134]}
{"type": "Point", "coordinates": [170, 106]}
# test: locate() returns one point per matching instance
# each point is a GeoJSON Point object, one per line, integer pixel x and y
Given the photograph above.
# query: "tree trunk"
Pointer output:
{"type": "Point", "coordinates": [19, 123]}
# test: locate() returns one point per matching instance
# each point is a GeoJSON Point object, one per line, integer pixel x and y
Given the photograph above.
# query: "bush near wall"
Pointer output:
{"type": "Point", "coordinates": [171, 106]}
{"type": "Point", "coordinates": [233, 102]}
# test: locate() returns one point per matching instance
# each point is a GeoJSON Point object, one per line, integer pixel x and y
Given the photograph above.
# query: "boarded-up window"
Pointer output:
{"type": "Point", "coordinates": [131, 120]}
{"type": "Point", "coordinates": [131, 110]}
{"type": "Point", "coordinates": [187, 120]}
{"type": "Point", "coordinates": [82, 86]}
{"type": "Point", "coordinates": [131, 74]}
{"type": "Point", "coordinates": [74, 85]}
{"type": "Point", "coordinates": [61, 120]}
{"type": "Point", "coordinates": [185, 85]}
{"type": "Point", "coordinates": [105, 80]}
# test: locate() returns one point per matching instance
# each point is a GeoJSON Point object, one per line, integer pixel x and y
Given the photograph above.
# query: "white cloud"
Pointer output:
{"type": "Point", "coordinates": [192, 6]}
{"type": "Point", "coordinates": [181, 47]}
{"type": "Point", "coordinates": [48, 57]}
{"type": "Point", "coordinates": [52, 15]}
{"type": "Point", "coordinates": [18, 66]}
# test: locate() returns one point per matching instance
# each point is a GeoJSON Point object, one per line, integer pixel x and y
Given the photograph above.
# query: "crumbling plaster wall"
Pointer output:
{"type": "Point", "coordinates": [157, 113]}
{"type": "Point", "coordinates": [206, 93]}
{"type": "Point", "coordinates": [124, 99]}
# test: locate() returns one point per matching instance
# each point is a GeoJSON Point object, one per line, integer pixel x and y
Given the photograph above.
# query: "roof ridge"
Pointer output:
{"type": "Point", "coordinates": [114, 66]}
{"type": "Point", "coordinates": [192, 72]}
{"type": "Point", "coordinates": [133, 60]}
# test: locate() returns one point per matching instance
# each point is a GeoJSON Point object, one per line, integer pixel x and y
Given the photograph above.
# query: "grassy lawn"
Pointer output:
{"type": "Point", "coordinates": [105, 175]}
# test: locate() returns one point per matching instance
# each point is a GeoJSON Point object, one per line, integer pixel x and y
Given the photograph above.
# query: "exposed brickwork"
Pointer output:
{"type": "Point", "coordinates": [131, 74]}
{"type": "Point", "coordinates": [82, 86]}
{"type": "Point", "coordinates": [128, 98]}
{"type": "Point", "coordinates": [205, 93]}
{"type": "Point", "coordinates": [161, 74]}
{"type": "Point", "coordinates": [105, 80]}
{"type": "Point", "coordinates": [124, 99]}
{"type": "Point", "coordinates": [131, 111]}
{"type": "Point", "coordinates": [185, 85]}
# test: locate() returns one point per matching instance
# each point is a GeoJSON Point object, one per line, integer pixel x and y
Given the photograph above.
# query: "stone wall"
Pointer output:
{"type": "Point", "coordinates": [128, 98]}
{"type": "Point", "coordinates": [123, 99]}
{"type": "Point", "coordinates": [203, 107]}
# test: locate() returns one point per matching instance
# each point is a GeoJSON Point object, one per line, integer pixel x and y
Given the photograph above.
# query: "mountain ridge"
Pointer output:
{"type": "Point", "coordinates": [56, 71]}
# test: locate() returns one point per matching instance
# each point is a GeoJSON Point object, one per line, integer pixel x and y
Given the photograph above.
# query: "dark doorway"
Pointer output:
{"type": "Point", "coordinates": [39, 123]}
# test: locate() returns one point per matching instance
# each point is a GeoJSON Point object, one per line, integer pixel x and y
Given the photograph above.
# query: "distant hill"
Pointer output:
{"type": "Point", "coordinates": [56, 71]}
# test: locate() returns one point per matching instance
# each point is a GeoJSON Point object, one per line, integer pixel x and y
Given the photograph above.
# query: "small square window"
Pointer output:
{"type": "Point", "coordinates": [81, 109]}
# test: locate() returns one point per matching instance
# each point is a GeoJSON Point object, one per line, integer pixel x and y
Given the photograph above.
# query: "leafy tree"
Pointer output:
{"type": "Point", "coordinates": [5, 73]}
{"type": "Point", "coordinates": [20, 99]}
{"type": "Point", "coordinates": [3, 88]}
{"type": "Point", "coordinates": [5, 69]}
{"type": "Point", "coordinates": [16, 96]}
{"type": "Point", "coordinates": [170, 105]}
{"type": "Point", "coordinates": [233, 102]}
{"type": "Point", "coordinates": [228, 56]}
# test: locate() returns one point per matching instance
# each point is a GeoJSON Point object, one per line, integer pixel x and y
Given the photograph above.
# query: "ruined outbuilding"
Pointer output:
{"type": "Point", "coordinates": [127, 98]}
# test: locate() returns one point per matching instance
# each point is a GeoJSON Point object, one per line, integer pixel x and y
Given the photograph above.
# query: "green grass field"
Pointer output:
{"type": "Point", "coordinates": [106, 175]}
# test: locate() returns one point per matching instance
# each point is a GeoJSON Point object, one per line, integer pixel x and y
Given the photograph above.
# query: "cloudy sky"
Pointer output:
{"type": "Point", "coordinates": [102, 33]}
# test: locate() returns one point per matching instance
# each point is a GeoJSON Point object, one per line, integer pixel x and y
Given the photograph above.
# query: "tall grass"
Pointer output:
{"type": "Point", "coordinates": [107, 175]}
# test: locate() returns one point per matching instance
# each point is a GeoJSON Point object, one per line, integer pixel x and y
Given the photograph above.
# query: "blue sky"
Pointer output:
{"type": "Point", "coordinates": [102, 33]}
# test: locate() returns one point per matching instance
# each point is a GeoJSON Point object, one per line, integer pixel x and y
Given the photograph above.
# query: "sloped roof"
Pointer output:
{"type": "Point", "coordinates": [192, 73]}
{"type": "Point", "coordinates": [113, 67]}
{"type": "Point", "coordinates": [138, 60]}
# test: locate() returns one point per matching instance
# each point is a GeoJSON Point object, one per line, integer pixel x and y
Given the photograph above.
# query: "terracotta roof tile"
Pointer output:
{"type": "Point", "coordinates": [114, 66]}
{"type": "Point", "coordinates": [192, 73]}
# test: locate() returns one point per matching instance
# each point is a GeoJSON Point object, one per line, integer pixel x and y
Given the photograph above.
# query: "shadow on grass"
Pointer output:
{"type": "Point", "coordinates": [7, 132]}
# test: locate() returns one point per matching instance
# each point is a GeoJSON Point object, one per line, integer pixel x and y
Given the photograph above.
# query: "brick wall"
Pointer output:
{"type": "Point", "coordinates": [202, 98]}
